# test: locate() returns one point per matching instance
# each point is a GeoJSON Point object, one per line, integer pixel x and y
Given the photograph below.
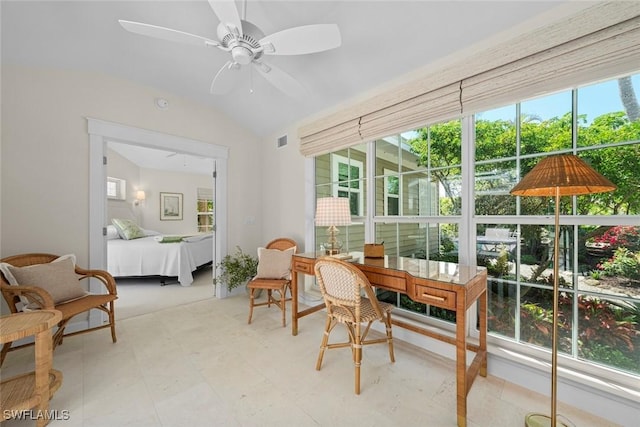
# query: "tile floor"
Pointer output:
{"type": "Point", "coordinates": [201, 364]}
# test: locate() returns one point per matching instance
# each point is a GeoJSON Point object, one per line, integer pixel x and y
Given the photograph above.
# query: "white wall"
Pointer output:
{"type": "Point", "coordinates": [283, 189]}
{"type": "Point", "coordinates": [156, 181]}
{"type": "Point", "coordinates": [45, 160]}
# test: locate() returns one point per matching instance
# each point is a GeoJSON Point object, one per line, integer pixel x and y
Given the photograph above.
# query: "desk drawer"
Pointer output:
{"type": "Point", "coordinates": [437, 297]}
{"type": "Point", "coordinates": [303, 267]}
{"type": "Point", "coordinates": [386, 282]}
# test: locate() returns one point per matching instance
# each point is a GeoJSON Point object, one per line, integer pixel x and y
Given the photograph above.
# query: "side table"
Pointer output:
{"type": "Point", "coordinates": [33, 389]}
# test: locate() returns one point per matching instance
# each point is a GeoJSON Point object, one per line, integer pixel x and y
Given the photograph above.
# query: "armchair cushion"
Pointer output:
{"type": "Point", "coordinates": [274, 263]}
{"type": "Point", "coordinates": [58, 278]}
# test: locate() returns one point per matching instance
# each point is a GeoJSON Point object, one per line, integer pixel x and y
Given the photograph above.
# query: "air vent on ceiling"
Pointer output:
{"type": "Point", "coordinates": [282, 141]}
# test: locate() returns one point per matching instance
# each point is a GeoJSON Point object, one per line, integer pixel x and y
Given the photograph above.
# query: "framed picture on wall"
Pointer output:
{"type": "Point", "coordinates": [170, 206]}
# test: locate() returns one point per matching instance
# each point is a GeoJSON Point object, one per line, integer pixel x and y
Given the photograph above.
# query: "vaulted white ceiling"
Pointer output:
{"type": "Point", "coordinates": [381, 41]}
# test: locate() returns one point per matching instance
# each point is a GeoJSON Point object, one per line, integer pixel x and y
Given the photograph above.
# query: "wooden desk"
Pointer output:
{"type": "Point", "coordinates": [34, 389]}
{"type": "Point", "coordinates": [446, 285]}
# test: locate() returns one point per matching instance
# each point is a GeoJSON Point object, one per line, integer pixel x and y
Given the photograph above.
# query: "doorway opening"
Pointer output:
{"type": "Point", "coordinates": [102, 134]}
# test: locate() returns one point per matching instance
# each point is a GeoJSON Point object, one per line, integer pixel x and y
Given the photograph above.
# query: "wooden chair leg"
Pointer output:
{"type": "Point", "coordinates": [59, 335]}
{"type": "Point", "coordinates": [325, 340]}
{"type": "Point", "coordinates": [250, 304]}
{"type": "Point", "coordinates": [357, 357]}
{"type": "Point", "coordinates": [389, 337]}
{"type": "Point", "coordinates": [5, 349]}
{"type": "Point", "coordinates": [112, 321]}
{"type": "Point", "coordinates": [283, 306]}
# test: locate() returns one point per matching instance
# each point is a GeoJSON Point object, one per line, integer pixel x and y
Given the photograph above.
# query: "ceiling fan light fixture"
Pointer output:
{"type": "Point", "coordinates": [242, 55]}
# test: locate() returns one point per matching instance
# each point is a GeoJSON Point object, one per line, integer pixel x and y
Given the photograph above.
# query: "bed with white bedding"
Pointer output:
{"type": "Point", "coordinates": [147, 256]}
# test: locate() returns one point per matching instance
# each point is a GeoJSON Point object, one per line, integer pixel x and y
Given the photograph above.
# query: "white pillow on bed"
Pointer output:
{"type": "Point", "coordinates": [112, 232]}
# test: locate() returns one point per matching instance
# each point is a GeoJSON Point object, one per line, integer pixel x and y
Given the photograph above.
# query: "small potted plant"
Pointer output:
{"type": "Point", "coordinates": [236, 269]}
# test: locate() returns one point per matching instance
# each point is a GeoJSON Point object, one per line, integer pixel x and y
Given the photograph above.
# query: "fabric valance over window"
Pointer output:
{"type": "Point", "coordinates": [600, 42]}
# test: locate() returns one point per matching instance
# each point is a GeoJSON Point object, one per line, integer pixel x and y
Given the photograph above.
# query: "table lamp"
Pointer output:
{"type": "Point", "coordinates": [561, 175]}
{"type": "Point", "coordinates": [332, 212]}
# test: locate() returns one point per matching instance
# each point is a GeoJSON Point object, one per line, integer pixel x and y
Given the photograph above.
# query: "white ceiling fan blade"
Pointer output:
{"type": "Point", "coordinates": [280, 79]}
{"type": "Point", "coordinates": [302, 40]}
{"type": "Point", "coordinates": [166, 33]}
{"type": "Point", "coordinates": [227, 13]}
{"type": "Point", "coordinates": [225, 78]}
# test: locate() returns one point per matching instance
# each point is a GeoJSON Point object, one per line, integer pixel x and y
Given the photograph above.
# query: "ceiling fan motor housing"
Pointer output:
{"type": "Point", "coordinates": [245, 47]}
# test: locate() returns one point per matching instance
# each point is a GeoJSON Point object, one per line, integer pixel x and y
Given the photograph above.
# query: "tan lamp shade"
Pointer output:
{"type": "Point", "coordinates": [333, 211]}
{"type": "Point", "coordinates": [567, 173]}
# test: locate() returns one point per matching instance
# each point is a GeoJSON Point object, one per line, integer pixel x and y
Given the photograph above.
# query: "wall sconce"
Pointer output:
{"type": "Point", "coordinates": [140, 197]}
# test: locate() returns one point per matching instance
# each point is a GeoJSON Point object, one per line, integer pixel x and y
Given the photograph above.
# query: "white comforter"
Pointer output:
{"type": "Point", "coordinates": [147, 257]}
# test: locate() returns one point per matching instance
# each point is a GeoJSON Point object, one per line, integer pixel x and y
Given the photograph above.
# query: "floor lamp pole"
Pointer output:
{"type": "Point", "coordinates": [556, 297]}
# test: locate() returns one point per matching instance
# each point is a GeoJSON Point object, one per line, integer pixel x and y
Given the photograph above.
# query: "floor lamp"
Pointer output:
{"type": "Point", "coordinates": [556, 176]}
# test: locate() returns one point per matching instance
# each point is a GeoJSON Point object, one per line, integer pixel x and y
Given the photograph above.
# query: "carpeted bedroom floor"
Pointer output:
{"type": "Point", "coordinates": [146, 295]}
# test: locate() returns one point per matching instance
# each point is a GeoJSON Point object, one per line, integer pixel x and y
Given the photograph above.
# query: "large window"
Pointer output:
{"type": "Point", "coordinates": [599, 253]}
{"type": "Point", "coordinates": [419, 207]}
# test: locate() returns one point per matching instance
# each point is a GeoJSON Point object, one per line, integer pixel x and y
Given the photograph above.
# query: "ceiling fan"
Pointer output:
{"type": "Point", "coordinates": [247, 44]}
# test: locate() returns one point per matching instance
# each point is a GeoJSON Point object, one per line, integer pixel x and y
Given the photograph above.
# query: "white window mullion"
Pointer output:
{"type": "Point", "coordinates": [369, 226]}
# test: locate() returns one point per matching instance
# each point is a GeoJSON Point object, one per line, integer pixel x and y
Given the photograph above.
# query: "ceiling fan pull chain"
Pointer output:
{"type": "Point", "coordinates": [251, 80]}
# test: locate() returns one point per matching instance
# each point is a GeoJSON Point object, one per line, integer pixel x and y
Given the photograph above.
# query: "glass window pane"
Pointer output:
{"type": "Point", "coordinates": [411, 158]}
{"type": "Point", "coordinates": [323, 169]}
{"type": "Point", "coordinates": [609, 332]}
{"type": "Point", "coordinates": [536, 255]}
{"type": "Point", "coordinates": [536, 251]}
{"type": "Point", "coordinates": [445, 142]}
{"type": "Point", "coordinates": [388, 233]}
{"type": "Point", "coordinates": [420, 197]}
{"type": "Point", "coordinates": [387, 155]}
{"type": "Point", "coordinates": [609, 260]}
{"type": "Point", "coordinates": [448, 183]}
{"type": "Point", "coordinates": [493, 182]}
{"type": "Point", "coordinates": [502, 301]}
{"type": "Point", "coordinates": [496, 246]}
{"type": "Point", "coordinates": [621, 165]}
{"type": "Point", "coordinates": [353, 237]}
{"type": "Point", "coordinates": [608, 112]}
{"type": "Point", "coordinates": [496, 133]}
{"type": "Point", "coordinates": [546, 124]}
{"type": "Point", "coordinates": [536, 317]}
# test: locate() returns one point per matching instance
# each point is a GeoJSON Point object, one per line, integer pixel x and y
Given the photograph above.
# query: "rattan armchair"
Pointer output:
{"type": "Point", "coordinates": [341, 285]}
{"type": "Point", "coordinates": [40, 298]}
{"type": "Point", "coordinates": [281, 285]}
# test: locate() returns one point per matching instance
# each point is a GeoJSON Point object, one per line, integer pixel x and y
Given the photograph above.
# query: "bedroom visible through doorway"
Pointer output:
{"type": "Point", "coordinates": [155, 182]}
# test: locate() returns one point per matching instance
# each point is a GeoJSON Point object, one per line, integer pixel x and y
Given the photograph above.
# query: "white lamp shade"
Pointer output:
{"type": "Point", "coordinates": [333, 211]}
{"type": "Point", "coordinates": [140, 195]}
